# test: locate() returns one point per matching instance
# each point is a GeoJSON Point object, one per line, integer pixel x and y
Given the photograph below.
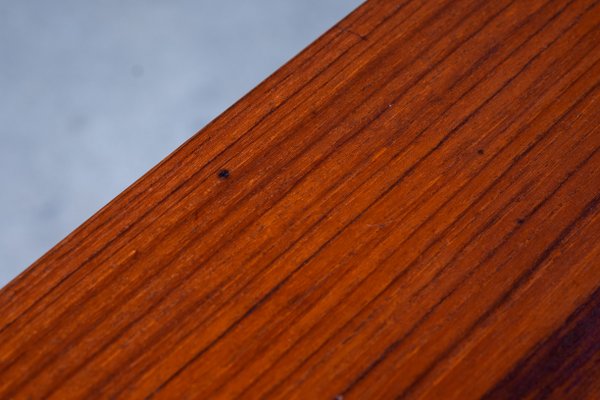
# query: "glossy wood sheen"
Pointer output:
{"type": "Point", "coordinates": [409, 208]}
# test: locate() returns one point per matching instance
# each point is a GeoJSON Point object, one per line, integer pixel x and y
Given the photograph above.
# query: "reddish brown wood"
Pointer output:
{"type": "Point", "coordinates": [565, 365]}
{"type": "Point", "coordinates": [409, 208]}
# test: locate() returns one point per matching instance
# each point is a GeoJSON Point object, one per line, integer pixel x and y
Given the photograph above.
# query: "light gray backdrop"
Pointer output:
{"type": "Point", "coordinates": [94, 93]}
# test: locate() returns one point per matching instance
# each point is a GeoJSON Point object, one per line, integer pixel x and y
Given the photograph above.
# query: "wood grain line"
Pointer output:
{"type": "Point", "coordinates": [407, 209]}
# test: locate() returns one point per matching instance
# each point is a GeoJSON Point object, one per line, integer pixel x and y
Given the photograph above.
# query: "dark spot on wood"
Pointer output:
{"type": "Point", "coordinates": [480, 151]}
{"type": "Point", "coordinates": [224, 174]}
{"type": "Point", "coordinates": [520, 221]}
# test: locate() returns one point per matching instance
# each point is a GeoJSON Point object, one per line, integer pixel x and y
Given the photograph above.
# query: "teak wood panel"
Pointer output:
{"type": "Point", "coordinates": [409, 208]}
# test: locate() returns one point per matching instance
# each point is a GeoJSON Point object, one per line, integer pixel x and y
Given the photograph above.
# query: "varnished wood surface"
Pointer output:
{"type": "Point", "coordinates": [408, 209]}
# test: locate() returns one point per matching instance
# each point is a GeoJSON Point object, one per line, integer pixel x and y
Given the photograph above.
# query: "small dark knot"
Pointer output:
{"type": "Point", "coordinates": [224, 174]}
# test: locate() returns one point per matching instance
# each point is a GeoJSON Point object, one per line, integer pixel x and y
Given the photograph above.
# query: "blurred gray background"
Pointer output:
{"type": "Point", "coordinates": [94, 93]}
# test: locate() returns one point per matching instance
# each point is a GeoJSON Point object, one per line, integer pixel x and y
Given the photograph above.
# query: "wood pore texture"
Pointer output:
{"type": "Point", "coordinates": [407, 209]}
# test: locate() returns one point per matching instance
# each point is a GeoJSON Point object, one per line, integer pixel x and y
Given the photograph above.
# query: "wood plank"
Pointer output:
{"type": "Point", "coordinates": [409, 208]}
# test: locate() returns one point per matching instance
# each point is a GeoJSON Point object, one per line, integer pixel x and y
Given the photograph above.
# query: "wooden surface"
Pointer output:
{"type": "Point", "coordinates": [409, 208]}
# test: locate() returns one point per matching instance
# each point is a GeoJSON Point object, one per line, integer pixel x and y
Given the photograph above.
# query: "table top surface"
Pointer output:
{"type": "Point", "coordinates": [408, 208]}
